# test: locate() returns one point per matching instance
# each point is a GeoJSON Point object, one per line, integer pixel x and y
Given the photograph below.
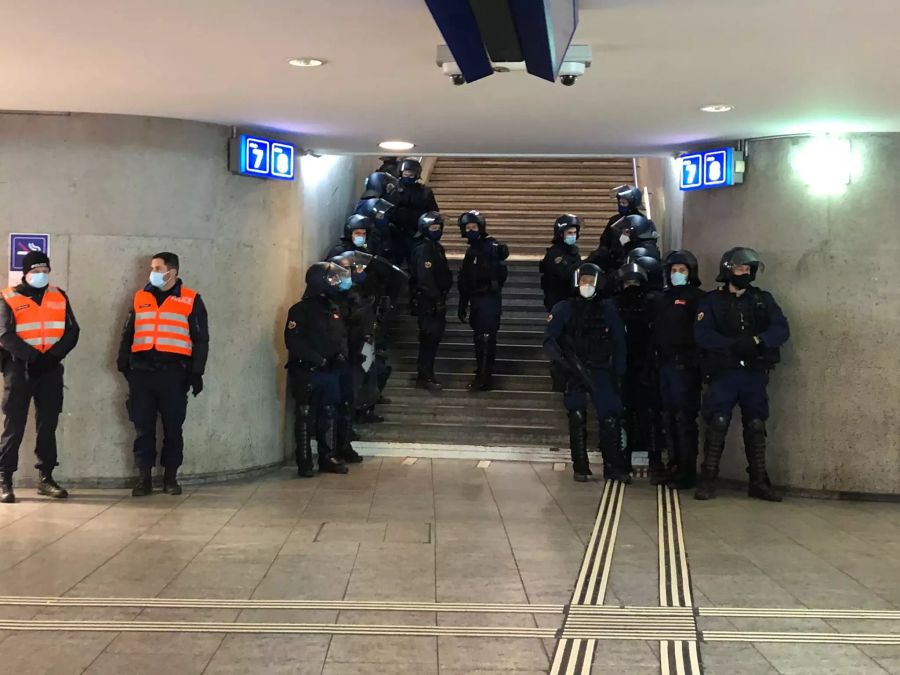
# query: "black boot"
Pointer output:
{"type": "Point", "coordinates": [50, 488]}
{"type": "Point", "coordinates": [656, 472]}
{"type": "Point", "coordinates": [670, 440]}
{"type": "Point", "coordinates": [344, 434]}
{"type": "Point", "coordinates": [578, 444]}
{"type": "Point", "coordinates": [170, 481]}
{"type": "Point", "coordinates": [614, 463]}
{"type": "Point", "coordinates": [477, 381]}
{"type": "Point", "coordinates": [367, 416]}
{"type": "Point", "coordinates": [144, 485]}
{"type": "Point", "coordinates": [686, 440]}
{"type": "Point", "coordinates": [325, 441]}
{"type": "Point", "coordinates": [755, 448]}
{"type": "Point", "coordinates": [628, 424]}
{"type": "Point", "coordinates": [490, 355]}
{"type": "Point", "coordinates": [714, 446]}
{"type": "Point", "coordinates": [428, 382]}
{"type": "Point", "coordinates": [7, 496]}
{"type": "Point", "coordinates": [303, 438]}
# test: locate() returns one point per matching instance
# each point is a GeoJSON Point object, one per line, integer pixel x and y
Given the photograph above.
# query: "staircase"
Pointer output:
{"type": "Point", "coordinates": [520, 198]}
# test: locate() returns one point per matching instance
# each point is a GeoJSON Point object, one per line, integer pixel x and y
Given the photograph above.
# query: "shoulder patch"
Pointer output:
{"type": "Point", "coordinates": [558, 259]}
{"type": "Point", "coordinates": [292, 325]}
{"type": "Point", "coordinates": [428, 265]}
{"type": "Point", "coordinates": [700, 316]}
{"type": "Point", "coordinates": [680, 302]}
{"type": "Point", "coordinates": [549, 318]}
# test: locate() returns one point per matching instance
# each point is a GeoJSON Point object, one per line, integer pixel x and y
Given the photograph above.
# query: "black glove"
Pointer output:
{"type": "Point", "coordinates": [745, 348]}
{"type": "Point", "coordinates": [196, 383]}
{"type": "Point", "coordinates": [44, 363]}
{"type": "Point", "coordinates": [461, 313]}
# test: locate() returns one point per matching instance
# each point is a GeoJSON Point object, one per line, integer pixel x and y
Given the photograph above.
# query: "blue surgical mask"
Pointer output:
{"type": "Point", "coordinates": [471, 235]}
{"type": "Point", "coordinates": [570, 239]}
{"type": "Point", "coordinates": [359, 242]}
{"type": "Point", "coordinates": [624, 210]}
{"type": "Point", "coordinates": [157, 279]}
{"type": "Point", "coordinates": [345, 284]}
{"type": "Point", "coordinates": [358, 277]}
{"type": "Point", "coordinates": [435, 235]}
{"type": "Point", "coordinates": [38, 279]}
{"type": "Point", "coordinates": [679, 279]}
{"type": "Point", "coordinates": [408, 180]}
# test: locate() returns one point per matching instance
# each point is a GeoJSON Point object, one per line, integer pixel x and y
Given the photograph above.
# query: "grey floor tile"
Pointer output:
{"type": "Point", "coordinates": [467, 653]}
{"type": "Point", "coordinates": [794, 659]}
{"type": "Point", "coordinates": [59, 653]}
{"type": "Point", "coordinates": [270, 654]}
{"type": "Point", "coordinates": [149, 664]}
{"type": "Point", "coordinates": [383, 650]}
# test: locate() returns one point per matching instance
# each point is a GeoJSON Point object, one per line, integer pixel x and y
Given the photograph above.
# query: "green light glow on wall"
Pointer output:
{"type": "Point", "coordinates": [826, 164]}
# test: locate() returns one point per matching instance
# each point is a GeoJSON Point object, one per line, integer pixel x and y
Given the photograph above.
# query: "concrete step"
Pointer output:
{"type": "Point", "coordinates": [459, 380]}
{"type": "Point", "coordinates": [444, 433]}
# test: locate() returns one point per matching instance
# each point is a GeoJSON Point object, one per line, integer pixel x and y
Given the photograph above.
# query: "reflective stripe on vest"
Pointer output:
{"type": "Point", "coordinates": [39, 325]}
{"type": "Point", "coordinates": [166, 328]}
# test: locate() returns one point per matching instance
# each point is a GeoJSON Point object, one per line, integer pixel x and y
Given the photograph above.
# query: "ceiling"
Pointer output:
{"type": "Point", "coordinates": [788, 66]}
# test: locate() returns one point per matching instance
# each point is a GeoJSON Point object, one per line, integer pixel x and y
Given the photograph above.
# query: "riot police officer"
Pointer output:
{"type": "Point", "coordinates": [357, 233]}
{"type": "Point", "coordinates": [413, 200]}
{"type": "Point", "coordinates": [628, 203]}
{"type": "Point", "coordinates": [585, 338]}
{"type": "Point", "coordinates": [37, 331]}
{"type": "Point", "coordinates": [316, 339]}
{"type": "Point", "coordinates": [561, 261]}
{"type": "Point", "coordinates": [430, 280]}
{"type": "Point", "coordinates": [480, 282]}
{"type": "Point", "coordinates": [634, 301]}
{"type": "Point", "coordinates": [377, 202]}
{"type": "Point", "coordinates": [626, 234]}
{"type": "Point", "coordinates": [678, 365]}
{"type": "Point", "coordinates": [740, 330]}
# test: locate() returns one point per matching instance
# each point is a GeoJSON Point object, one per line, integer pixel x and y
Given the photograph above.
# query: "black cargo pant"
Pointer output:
{"type": "Point", "coordinates": [432, 320]}
{"type": "Point", "coordinates": [162, 393]}
{"type": "Point", "coordinates": [18, 389]}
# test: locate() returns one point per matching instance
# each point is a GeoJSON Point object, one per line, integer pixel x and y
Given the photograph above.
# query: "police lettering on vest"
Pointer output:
{"type": "Point", "coordinates": [39, 325]}
{"type": "Point", "coordinates": [165, 328]}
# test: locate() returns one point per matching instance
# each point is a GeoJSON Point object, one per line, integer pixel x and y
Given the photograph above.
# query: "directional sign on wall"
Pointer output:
{"type": "Point", "coordinates": [711, 169]}
{"type": "Point", "coordinates": [261, 157]}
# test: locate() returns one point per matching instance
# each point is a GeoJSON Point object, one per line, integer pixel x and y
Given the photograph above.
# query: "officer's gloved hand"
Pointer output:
{"type": "Point", "coordinates": [461, 314]}
{"type": "Point", "coordinates": [196, 383]}
{"type": "Point", "coordinates": [745, 348]}
{"type": "Point", "coordinates": [44, 363]}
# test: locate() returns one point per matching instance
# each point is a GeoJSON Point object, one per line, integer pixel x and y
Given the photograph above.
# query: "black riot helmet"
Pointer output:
{"type": "Point", "coordinates": [638, 228]}
{"type": "Point", "coordinates": [631, 272]}
{"type": "Point", "coordinates": [737, 256]}
{"type": "Point", "coordinates": [683, 257]}
{"type": "Point", "coordinates": [472, 217]}
{"type": "Point", "coordinates": [628, 198]}
{"type": "Point", "coordinates": [326, 278]}
{"type": "Point", "coordinates": [647, 258]}
{"type": "Point", "coordinates": [588, 270]}
{"type": "Point", "coordinates": [563, 223]}
{"type": "Point", "coordinates": [426, 220]}
{"type": "Point", "coordinates": [390, 165]}
{"type": "Point", "coordinates": [410, 164]}
{"type": "Point", "coordinates": [380, 185]}
{"type": "Point", "coordinates": [357, 222]}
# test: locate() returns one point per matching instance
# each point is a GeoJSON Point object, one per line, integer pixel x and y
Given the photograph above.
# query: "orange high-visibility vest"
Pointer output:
{"type": "Point", "coordinates": [40, 325]}
{"type": "Point", "coordinates": [166, 328]}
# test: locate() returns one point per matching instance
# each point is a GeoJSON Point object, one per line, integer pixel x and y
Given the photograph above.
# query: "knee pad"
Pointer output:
{"type": "Point", "coordinates": [755, 425]}
{"type": "Point", "coordinates": [577, 416]}
{"type": "Point", "coordinates": [719, 422]}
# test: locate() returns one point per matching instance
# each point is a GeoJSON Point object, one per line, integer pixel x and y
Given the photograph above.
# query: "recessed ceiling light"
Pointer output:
{"type": "Point", "coordinates": [398, 146]}
{"type": "Point", "coordinates": [307, 62]}
{"type": "Point", "coordinates": [718, 107]}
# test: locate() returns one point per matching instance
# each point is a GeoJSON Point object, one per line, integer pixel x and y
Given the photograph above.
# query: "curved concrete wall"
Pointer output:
{"type": "Point", "coordinates": [111, 191]}
{"type": "Point", "coordinates": [832, 264]}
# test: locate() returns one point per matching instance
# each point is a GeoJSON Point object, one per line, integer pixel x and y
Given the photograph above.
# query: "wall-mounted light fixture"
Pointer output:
{"type": "Point", "coordinates": [824, 163]}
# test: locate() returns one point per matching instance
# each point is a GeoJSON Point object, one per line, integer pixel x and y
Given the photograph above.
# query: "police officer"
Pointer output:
{"type": "Point", "coordinates": [635, 301]}
{"type": "Point", "coordinates": [413, 200]}
{"type": "Point", "coordinates": [316, 339]}
{"type": "Point", "coordinates": [390, 165]}
{"type": "Point", "coordinates": [740, 330]}
{"type": "Point", "coordinates": [480, 282]}
{"type": "Point", "coordinates": [162, 354]}
{"type": "Point", "coordinates": [678, 365]}
{"type": "Point", "coordinates": [585, 337]}
{"type": "Point", "coordinates": [430, 280]}
{"type": "Point", "coordinates": [561, 260]}
{"type": "Point", "coordinates": [357, 232]}
{"type": "Point", "coordinates": [377, 203]}
{"type": "Point", "coordinates": [37, 331]}
{"type": "Point", "coordinates": [626, 234]}
{"type": "Point", "coordinates": [628, 203]}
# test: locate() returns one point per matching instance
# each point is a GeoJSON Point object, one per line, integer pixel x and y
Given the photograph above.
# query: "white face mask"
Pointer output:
{"type": "Point", "coordinates": [587, 291]}
{"type": "Point", "coordinates": [624, 239]}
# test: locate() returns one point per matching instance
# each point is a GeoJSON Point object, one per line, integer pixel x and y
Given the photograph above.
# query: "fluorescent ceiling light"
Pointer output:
{"type": "Point", "coordinates": [398, 146]}
{"type": "Point", "coordinates": [717, 108]}
{"type": "Point", "coordinates": [307, 62]}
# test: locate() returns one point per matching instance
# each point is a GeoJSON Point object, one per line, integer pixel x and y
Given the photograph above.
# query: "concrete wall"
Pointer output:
{"type": "Point", "coordinates": [831, 262]}
{"type": "Point", "coordinates": [663, 199]}
{"type": "Point", "coordinates": [111, 191]}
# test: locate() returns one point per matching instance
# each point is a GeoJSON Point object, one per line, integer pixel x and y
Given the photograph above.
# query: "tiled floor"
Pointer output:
{"type": "Point", "coordinates": [435, 531]}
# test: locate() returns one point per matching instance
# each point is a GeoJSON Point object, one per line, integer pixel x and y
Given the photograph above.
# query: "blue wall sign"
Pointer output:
{"type": "Point", "coordinates": [22, 244]}
{"type": "Point", "coordinates": [262, 157]}
{"type": "Point", "coordinates": [711, 169]}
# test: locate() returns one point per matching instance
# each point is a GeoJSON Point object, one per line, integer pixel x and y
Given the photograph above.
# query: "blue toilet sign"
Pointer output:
{"type": "Point", "coordinates": [711, 169]}
{"type": "Point", "coordinates": [261, 157]}
{"type": "Point", "coordinates": [21, 245]}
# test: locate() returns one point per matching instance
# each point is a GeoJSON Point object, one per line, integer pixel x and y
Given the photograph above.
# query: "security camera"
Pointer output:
{"type": "Point", "coordinates": [576, 60]}
{"type": "Point", "coordinates": [458, 80]}
{"type": "Point", "coordinates": [567, 80]}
